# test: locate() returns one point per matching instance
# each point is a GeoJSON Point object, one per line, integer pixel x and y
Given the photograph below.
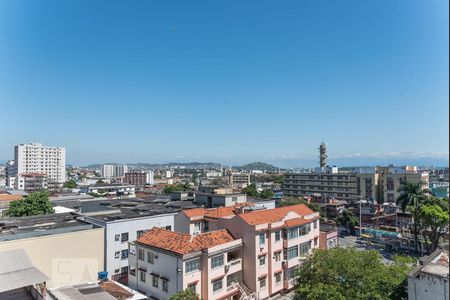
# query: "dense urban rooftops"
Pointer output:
{"type": "Point", "coordinates": [275, 214]}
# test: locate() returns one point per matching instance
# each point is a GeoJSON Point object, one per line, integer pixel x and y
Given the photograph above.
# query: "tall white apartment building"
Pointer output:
{"type": "Point", "coordinates": [109, 171]}
{"type": "Point", "coordinates": [37, 158]}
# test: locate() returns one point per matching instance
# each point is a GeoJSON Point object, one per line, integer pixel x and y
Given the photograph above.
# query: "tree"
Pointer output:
{"type": "Point", "coordinates": [266, 194]}
{"type": "Point", "coordinates": [71, 184]}
{"type": "Point", "coordinates": [177, 188]}
{"type": "Point", "coordinates": [433, 224]}
{"type": "Point", "coordinates": [186, 294]}
{"type": "Point", "coordinates": [348, 273]}
{"type": "Point", "coordinates": [34, 204]}
{"type": "Point", "coordinates": [412, 195]}
{"type": "Point", "coordinates": [347, 220]}
{"type": "Point", "coordinates": [99, 181]}
{"type": "Point", "coordinates": [250, 190]}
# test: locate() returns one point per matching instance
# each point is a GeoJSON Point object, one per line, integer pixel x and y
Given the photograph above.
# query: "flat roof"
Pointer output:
{"type": "Point", "coordinates": [128, 208]}
{"type": "Point", "coordinates": [34, 226]}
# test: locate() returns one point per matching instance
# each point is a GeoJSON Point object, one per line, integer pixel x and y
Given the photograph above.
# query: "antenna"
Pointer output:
{"type": "Point", "coordinates": [323, 154]}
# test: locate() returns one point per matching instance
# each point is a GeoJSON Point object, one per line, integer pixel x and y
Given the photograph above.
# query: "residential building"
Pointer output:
{"type": "Point", "coordinates": [125, 221]}
{"type": "Point", "coordinates": [275, 242]}
{"type": "Point", "coordinates": [109, 171]}
{"type": "Point", "coordinates": [216, 200]}
{"type": "Point", "coordinates": [66, 249]}
{"type": "Point", "coordinates": [328, 237]}
{"type": "Point", "coordinates": [238, 180]}
{"type": "Point", "coordinates": [163, 263]}
{"type": "Point", "coordinates": [430, 279]}
{"type": "Point", "coordinates": [10, 174]}
{"type": "Point", "coordinates": [31, 182]}
{"type": "Point", "coordinates": [327, 182]}
{"type": "Point", "coordinates": [36, 158]}
{"type": "Point", "coordinates": [139, 179]}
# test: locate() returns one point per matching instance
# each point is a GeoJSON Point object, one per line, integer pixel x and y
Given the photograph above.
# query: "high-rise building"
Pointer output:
{"type": "Point", "coordinates": [37, 158]}
{"type": "Point", "coordinates": [109, 171]}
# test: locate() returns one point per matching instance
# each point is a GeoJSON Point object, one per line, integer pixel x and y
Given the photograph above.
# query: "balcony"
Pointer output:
{"type": "Point", "coordinates": [233, 266]}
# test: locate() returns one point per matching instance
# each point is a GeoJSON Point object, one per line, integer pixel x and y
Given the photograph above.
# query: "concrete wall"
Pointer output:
{"type": "Point", "coordinates": [68, 258]}
{"type": "Point", "coordinates": [428, 287]}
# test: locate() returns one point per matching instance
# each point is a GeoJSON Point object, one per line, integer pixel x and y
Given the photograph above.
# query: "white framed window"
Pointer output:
{"type": "Point", "coordinates": [217, 285]}
{"type": "Point", "coordinates": [292, 252]}
{"type": "Point", "coordinates": [155, 281]}
{"type": "Point", "coordinates": [262, 260]}
{"type": "Point", "coordinates": [277, 236]}
{"type": "Point", "coordinates": [277, 256]}
{"type": "Point", "coordinates": [142, 276]}
{"type": "Point", "coordinates": [278, 277]}
{"type": "Point", "coordinates": [165, 285]}
{"type": "Point", "coordinates": [192, 265]}
{"type": "Point", "coordinates": [262, 239]}
{"type": "Point", "coordinates": [217, 261]}
{"type": "Point", "coordinates": [262, 282]}
{"type": "Point", "coordinates": [150, 258]}
{"type": "Point", "coordinates": [141, 254]}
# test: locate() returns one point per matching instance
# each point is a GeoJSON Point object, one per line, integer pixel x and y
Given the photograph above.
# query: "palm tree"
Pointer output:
{"type": "Point", "coordinates": [412, 195]}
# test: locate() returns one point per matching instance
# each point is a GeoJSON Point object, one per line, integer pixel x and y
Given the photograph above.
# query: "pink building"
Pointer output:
{"type": "Point", "coordinates": [275, 242]}
{"type": "Point", "coordinates": [328, 237]}
{"type": "Point", "coordinates": [164, 262]}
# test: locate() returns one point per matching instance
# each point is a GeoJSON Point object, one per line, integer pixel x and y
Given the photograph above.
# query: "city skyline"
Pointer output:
{"type": "Point", "coordinates": [157, 82]}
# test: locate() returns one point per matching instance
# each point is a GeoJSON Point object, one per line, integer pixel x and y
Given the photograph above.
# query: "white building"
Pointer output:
{"type": "Point", "coordinates": [36, 158]}
{"type": "Point", "coordinates": [121, 228]}
{"type": "Point", "coordinates": [429, 280]}
{"type": "Point", "coordinates": [109, 171]}
{"type": "Point", "coordinates": [10, 174]}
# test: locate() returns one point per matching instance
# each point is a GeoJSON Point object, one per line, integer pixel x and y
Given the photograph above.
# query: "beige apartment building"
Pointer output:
{"type": "Point", "coordinates": [68, 251]}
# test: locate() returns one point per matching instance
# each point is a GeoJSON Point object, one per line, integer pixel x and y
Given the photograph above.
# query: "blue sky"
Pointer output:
{"type": "Point", "coordinates": [227, 81]}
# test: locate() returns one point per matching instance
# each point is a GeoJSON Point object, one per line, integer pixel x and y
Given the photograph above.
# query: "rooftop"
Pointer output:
{"type": "Point", "coordinates": [182, 243]}
{"type": "Point", "coordinates": [115, 209]}
{"type": "Point", "coordinates": [216, 213]}
{"type": "Point", "coordinates": [34, 226]}
{"type": "Point", "coordinates": [275, 214]}
{"type": "Point", "coordinates": [436, 264]}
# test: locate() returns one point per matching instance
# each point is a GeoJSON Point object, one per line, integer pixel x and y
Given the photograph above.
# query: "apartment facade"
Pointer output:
{"type": "Point", "coordinates": [121, 229]}
{"type": "Point", "coordinates": [275, 242]}
{"type": "Point", "coordinates": [31, 182]}
{"type": "Point", "coordinates": [109, 171]}
{"type": "Point", "coordinates": [163, 263]}
{"type": "Point", "coordinates": [139, 179]}
{"type": "Point", "coordinates": [341, 186]}
{"type": "Point", "coordinates": [37, 158]}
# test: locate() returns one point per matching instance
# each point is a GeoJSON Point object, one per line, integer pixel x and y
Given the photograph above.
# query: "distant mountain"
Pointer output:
{"type": "Point", "coordinates": [258, 166]}
{"type": "Point", "coordinates": [189, 165]}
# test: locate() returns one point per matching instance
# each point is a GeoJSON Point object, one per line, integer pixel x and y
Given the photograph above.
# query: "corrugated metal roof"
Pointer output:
{"type": "Point", "coordinates": [17, 270]}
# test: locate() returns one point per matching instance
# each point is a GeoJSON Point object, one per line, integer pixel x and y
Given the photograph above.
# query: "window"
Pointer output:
{"type": "Point", "coordinates": [124, 270]}
{"type": "Point", "coordinates": [193, 287]}
{"type": "Point", "coordinates": [278, 277]}
{"type": "Point", "coordinates": [141, 254]}
{"type": "Point", "coordinates": [192, 265]}
{"type": "Point", "coordinates": [139, 233]}
{"type": "Point", "coordinates": [292, 252]}
{"type": "Point", "coordinates": [117, 237]}
{"type": "Point", "coordinates": [304, 248]}
{"type": "Point", "coordinates": [315, 224]}
{"type": "Point", "coordinates": [116, 271]}
{"type": "Point", "coordinates": [168, 227]}
{"type": "Point", "coordinates": [232, 278]}
{"type": "Point", "coordinates": [277, 236]}
{"type": "Point", "coordinates": [117, 254]}
{"type": "Point", "coordinates": [165, 285]}
{"type": "Point", "coordinates": [155, 281]}
{"type": "Point", "coordinates": [292, 233]}
{"type": "Point", "coordinates": [262, 239]}
{"type": "Point", "coordinates": [277, 256]}
{"type": "Point", "coordinates": [124, 254]}
{"type": "Point", "coordinates": [197, 226]}
{"type": "Point", "coordinates": [216, 261]}
{"type": "Point", "coordinates": [205, 225]}
{"type": "Point", "coordinates": [290, 273]}
{"type": "Point", "coordinates": [217, 285]}
{"type": "Point", "coordinates": [150, 258]}
{"type": "Point", "coordinates": [262, 260]}
{"type": "Point", "coordinates": [124, 237]}
{"type": "Point", "coordinates": [305, 229]}
{"type": "Point", "coordinates": [142, 276]}
{"type": "Point", "coordinates": [262, 282]}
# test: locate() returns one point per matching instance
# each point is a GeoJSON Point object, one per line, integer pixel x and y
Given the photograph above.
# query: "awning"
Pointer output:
{"type": "Point", "coordinates": [17, 271]}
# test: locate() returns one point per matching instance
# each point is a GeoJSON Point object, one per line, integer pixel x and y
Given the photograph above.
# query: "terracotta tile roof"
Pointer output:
{"type": "Point", "coordinates": [115, 290]}
{"type": "Point", "coordinates": [275, 214]}
{"type": "Point", "coordinates": [183, 243]}
{"type": "Point", "coordinates": [215, 213]}
{"type": "Point", "coordinates": [298, 222]}
{"type": "Point", "coordinates": [8, 197]}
